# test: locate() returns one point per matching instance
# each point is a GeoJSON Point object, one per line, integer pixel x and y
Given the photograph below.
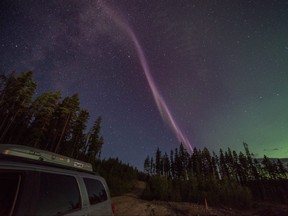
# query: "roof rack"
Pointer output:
{"type": "Point", "coordinates": [26, 152]}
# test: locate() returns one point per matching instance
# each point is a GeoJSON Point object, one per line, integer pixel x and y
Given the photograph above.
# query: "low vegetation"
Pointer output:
{"type": "Point", "coordinates": [119, 176]}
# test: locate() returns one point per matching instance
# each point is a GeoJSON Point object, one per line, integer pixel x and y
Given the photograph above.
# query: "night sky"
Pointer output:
{"type": "Point", "coordinates": [206, 73]}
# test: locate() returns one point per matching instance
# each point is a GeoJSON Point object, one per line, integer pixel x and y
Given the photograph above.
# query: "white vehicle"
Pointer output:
{"type": "Point", "coordinates": [37, 182]}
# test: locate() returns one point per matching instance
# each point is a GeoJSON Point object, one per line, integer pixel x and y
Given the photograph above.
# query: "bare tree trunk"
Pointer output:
{"type": "Point", "coordinates": [62, 134]}
{"type": "Point", "coordinates": [7, 128]}
{"type": "Point", "coordinates": [4, 121]}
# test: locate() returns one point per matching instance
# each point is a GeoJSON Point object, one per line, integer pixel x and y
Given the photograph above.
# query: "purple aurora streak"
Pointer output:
{"type": "Point", "coordinates": [161, 104]}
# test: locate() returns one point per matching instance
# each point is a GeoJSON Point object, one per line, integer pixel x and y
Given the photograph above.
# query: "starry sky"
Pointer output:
{"type": "Point", "coordinates": [206, 73]}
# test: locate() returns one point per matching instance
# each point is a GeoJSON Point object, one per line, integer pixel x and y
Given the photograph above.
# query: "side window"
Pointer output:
{"type": "Point", "coordinates": [96, 191]}
{"type": "Point", "coordinates": [9, 187]}
{"type": "Point", "coordinates": [58, 194]}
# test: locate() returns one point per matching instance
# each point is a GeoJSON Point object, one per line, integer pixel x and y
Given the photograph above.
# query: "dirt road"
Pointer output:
{"type": "Point", "coordinates": [131, 205]}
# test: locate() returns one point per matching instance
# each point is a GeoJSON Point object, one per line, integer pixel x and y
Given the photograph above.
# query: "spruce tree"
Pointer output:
{"type": "Point", "coordinates": [95, 141]}
{"type": "Point", "coordinates": [16, 97]}
{"type": "Point", "coordinates": [147, 167]}
{"type": "Point", "coordinates": [42, 109]}
{"type": "Point", "coordinates": [158, 162]}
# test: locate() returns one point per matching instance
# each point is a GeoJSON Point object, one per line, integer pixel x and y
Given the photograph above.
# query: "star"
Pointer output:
{"type": "Point", "coordinates": [224, 69]}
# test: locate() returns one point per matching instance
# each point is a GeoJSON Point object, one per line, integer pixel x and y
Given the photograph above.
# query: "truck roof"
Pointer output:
{"type": "Point", "coordinates": [34, 155]}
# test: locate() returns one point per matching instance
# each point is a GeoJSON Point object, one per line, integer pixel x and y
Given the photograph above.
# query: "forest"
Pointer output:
{"type": "Point", "coordinates": [60, 125]}
{"type": "Point", "coordinates": [46, 121]}
{"type": "Point", "coordinates": [228, 178]}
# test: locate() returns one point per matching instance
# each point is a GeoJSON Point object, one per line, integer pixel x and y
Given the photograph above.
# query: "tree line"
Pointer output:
{"type": "Point", "coordinates": [229, 177]}
{"type": "Point", "coordinates": [58, 125]}
{"type": "Point", "coordinates": [47, 121]}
